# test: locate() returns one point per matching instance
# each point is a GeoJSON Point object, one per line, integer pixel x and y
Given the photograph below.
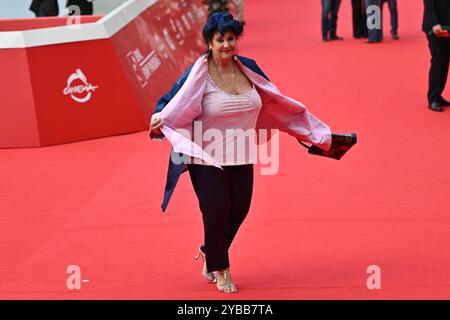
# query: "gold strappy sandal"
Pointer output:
{"type": "Point", "coordinates": [210, 276]}
{"type": "Point", "coordinates": [229, 286]}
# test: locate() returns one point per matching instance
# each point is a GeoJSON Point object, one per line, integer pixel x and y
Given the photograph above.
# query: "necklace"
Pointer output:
{"type": "Point", "coordinates": [229, 90]}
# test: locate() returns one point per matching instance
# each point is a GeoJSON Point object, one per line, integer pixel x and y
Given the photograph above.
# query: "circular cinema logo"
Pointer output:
{"type": "Point", "coordinates": [78, 87]}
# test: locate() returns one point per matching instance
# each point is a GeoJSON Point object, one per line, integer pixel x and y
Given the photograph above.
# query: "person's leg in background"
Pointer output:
{"type": "Point", "coordinates": [239, 5]}
{"type": "Point", "coordinates": [241, 197]}
{"type": "Point", "coordinates": [437, 78]}
{"type": "Point", "coordinates": [334, 9]}
{"type": "Point", "coordinates": [326, 9]}
{"type": "Point", "coordinates": [81, 7]}
{"type": "Point", "coordinates": [364, 19]}
{"type": "Point", "coordinates": [89, 8]}
{"type": "Point", "coordinates": [217, 6]}
{"type": "Point", "coordinates": [356, 18]}
{"type": "Point", "coordinates": [443, 101]}
{"type": "Point", "coordinates": [48, 8]}
{"type": "Point", "coordinates": [375, 34]}
{"type": "Point", "coordinates": [359, 19]}
{"type": "Point", "coordinates": [392, 4]}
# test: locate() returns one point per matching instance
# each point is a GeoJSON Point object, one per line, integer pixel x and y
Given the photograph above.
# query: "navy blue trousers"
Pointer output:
{"type": "Point", "coordinates": [392, 4]}
{"type": "Point", "coordinates": [330, 10]}
{"type": "Point", "coordinates": [224, 197]}
{"type": "Point", "coordinates": [375, 34]}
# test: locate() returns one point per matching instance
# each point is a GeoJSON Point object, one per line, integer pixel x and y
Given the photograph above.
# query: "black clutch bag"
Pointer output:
{"type": "Point", "coordinates": [340, 144]}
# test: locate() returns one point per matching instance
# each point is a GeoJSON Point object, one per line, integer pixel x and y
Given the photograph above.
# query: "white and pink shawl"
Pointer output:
{"type": "Point", "coordinates": [277, 112]}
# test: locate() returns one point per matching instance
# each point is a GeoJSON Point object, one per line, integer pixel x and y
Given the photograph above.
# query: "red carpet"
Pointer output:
{"type": "Point", "coordinates": [313, 229]}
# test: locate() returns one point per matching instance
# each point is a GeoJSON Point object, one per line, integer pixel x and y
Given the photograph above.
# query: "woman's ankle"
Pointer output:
{"type": "Point", "coordinates": [223, 276]}
{"type": "Point", "coordinates": [224, 281]}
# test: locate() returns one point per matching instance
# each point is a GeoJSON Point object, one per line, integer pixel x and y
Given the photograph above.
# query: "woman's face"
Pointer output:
{"type": "Point", "coordinates": [223, 47]}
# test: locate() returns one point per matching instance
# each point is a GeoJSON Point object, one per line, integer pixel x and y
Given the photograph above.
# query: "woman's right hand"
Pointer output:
{"type": "Point", "coordinates": [155, 126]}
{"type": "Point", "coordinates": [437, 29]}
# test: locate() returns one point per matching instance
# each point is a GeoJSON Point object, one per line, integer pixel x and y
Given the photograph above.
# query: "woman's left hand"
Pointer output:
{"type": "Point", "coordinates": [155, 126]}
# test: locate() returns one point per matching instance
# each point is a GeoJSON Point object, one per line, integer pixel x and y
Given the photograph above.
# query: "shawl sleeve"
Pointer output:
{"type": "Point", "coordinates": [165, 99]}
{"type": "Point", "coordinates": [286, 114]}
{"type": "Point", "coordinates": [179, 113]}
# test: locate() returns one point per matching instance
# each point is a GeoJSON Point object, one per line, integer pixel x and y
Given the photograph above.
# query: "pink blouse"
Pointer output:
{"type": "Point", "coordinates": [278, 112]}
{"type": "Point", "coordinates": [226, 126]}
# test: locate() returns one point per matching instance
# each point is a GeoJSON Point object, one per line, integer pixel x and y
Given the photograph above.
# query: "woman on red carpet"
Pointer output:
{"type": "Point", "coordinates": [224, 91]}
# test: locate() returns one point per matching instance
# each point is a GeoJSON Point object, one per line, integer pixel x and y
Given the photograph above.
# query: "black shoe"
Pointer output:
{"type": "Point", "coordinates": [325, 39]}
{"type": "Point", "coordinates": [435, 106]}
{"type": "Point", "coordinates": [444, 103]}
{"type": "Point", "coordinates": [395, 36]}
{"type": "Point", "coordinates": [335, 37]}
